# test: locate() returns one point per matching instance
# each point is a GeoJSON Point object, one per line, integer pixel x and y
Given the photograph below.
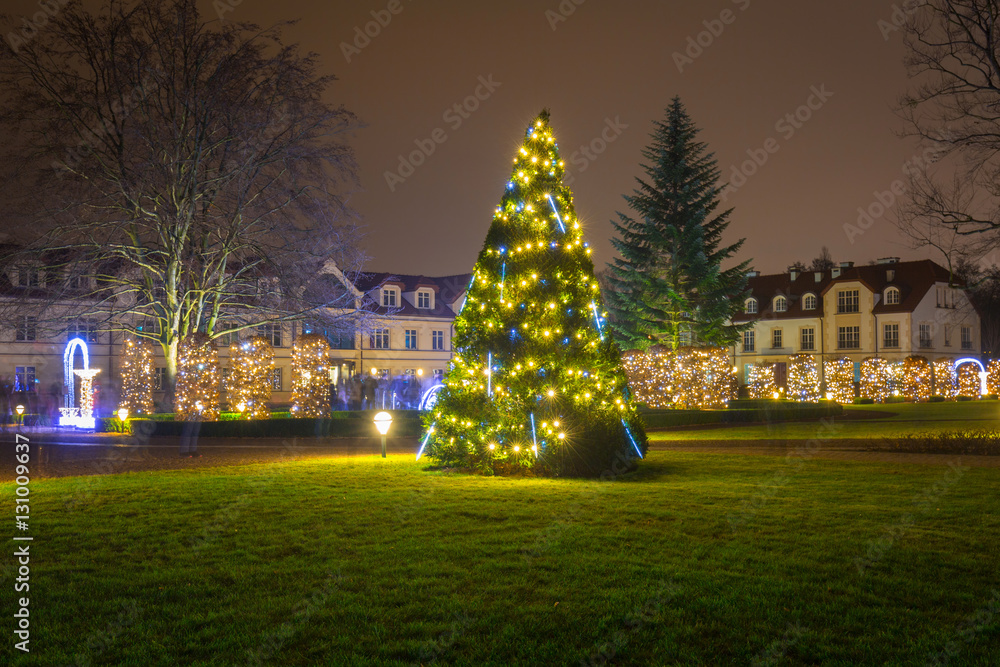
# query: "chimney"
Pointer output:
{"type": "Point", "coordinates": [846, 265]}
{"type": "Point", "coordinates": [793, 272]}
{"type": "Point", "coordinates": [888, 260]}
{"type": "Point", "coordinates": [753, 274]}
{"type": "Point", "coordinates": [818, 275]}
{"type": "Point", "coordinates": [835, 272]}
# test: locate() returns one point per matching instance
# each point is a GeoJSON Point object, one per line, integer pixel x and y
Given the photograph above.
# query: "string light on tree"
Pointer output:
{"type": "Point", "coordinates": [251, 364]}
{"type": "Point", "coordinates": [916, 378]}
{"type": "Point", "coordinates": [137, 369]}
{"type": "Point", "coordinates": [311, 376]}
{"type": "Point", "coordinates": [803, 378]}
{"type": "Point", "coordinates": [876, 379]}
{"type": "Point", "coordinates": [945, 378]}
{"type": "Point", "coordinates": [839, 375]}
{"type": "Point", "coordinates": [529, 343]}
{"type": "Point", "coordinates": [197, 390]}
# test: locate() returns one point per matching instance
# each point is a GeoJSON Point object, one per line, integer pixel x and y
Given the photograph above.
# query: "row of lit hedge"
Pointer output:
{"type": "Point", "coordinates": [338, 425]}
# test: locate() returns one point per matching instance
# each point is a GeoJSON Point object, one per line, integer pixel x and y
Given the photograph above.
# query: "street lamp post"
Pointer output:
{"type": "Point", "coordinates": [20, 414]}
{"type": "Point", "coordinates": [383, 421]}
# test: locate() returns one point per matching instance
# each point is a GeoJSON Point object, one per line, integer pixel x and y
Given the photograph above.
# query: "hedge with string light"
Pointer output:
{"type": "Point", "coordinates": [536, 382]}
{"type": "Point", "coordinates": [137, 377]}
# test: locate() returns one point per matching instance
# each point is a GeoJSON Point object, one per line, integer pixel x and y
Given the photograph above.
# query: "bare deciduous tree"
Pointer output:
{"type": "Point", "coordinates": [192, 173]}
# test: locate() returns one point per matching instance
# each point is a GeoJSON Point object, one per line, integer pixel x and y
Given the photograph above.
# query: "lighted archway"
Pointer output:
{"type": "Point", "coordinates": [69, 381]}
{"type": "Point", "coordinates": [983, 390]}
{"type": "Point", "coordinates": [429, 398]}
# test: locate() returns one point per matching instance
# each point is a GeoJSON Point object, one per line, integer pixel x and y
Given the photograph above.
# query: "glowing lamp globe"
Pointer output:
{"type": "Point", "coordinates": [383, 421]}
{"type": "Point", "coordinates": [20, 410]}
{"type": "Point", "coordinates": [122, 414]}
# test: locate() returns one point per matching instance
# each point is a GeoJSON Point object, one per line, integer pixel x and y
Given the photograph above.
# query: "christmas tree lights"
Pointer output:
{"type": "Point", "coordinates": [945, 378]}
{"type": "Point", "coordinates": [993, 377]}
{"type": "Point", "coordinates": [803, 378]}
{"type": "Point", "coordinates": [250, 364]}
{"type": "Point", "coordinates": [311, 376]}
{"type": "Point", "coordinates": [839, 376]}
{"type": "Point", "coordinates": [692, 378]}
{"type": "Point", "coordinates": [916, 378]}
{"type": "Point", "coordinates": [876, 379]}
{"type": "Point", "coordinates": [197, 390]}
{"type": "Point", "coordinates": [969, 383]}
{"type": "Point", "coordinates": [137, 369]}
{"type": "Point", "coordinates": [535, 383]}
{"type": "Point", "coordinates": [761, 380]}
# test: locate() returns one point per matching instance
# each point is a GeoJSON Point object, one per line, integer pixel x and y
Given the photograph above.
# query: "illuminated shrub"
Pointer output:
{"type": "Point", "coordinates": [250, 365]}
{"type": "Point", "coordinates": [839, 376]}
{"type": "Point", "coordinates": [916, 378]}
{"type": "Point", "coordinates": [197, 394]}
{"type": "Point", "coordinates": [876, 379]}
{"type": "Point", "coordinates": [945, 378]}
{"type": "Point", "coordinates": [969, 383]}
{"type": "Point", "coordinates": [137, 369]}
{"type": "Point", "coordinates": [310, 376]}
{"type": "Point", "coordinates": [803, 378]}
{"type": "Point", "coordinates": [692, 378]}
{"type": "Point", "coordinates": [761, 380]}
{"type": "Point", "coordinates": [993, 377]}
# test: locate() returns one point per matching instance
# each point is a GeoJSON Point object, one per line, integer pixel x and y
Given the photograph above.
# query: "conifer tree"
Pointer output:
{"type": "Point", "coordinates": [536, 382]}
{"type": "Point", "coordinates": [669, 287]}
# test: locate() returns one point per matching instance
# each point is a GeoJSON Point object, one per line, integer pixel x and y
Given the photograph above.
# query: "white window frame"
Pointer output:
{"type": "Point", "coordinates": [780, 304]}
{"type": "Point", "coordinates": [425, 299]}
{"type": "Point", "coordinates": [848, 301]}
{"type": "Point", "coordinates": [892, 296]}
{"type": "Point", "coordinates": [809, 302]}
{"type": "Point", "coordinates": [777, 338]}
{"type": "Point", "coordinates": [437, 340]}
{"type": "Point", "coordinates": [750, 336]}
{"type": "Point", "coordinates": [890, 342]}
{"type": "Point", "coordinates": [379, 339]}
{"type": "Point", "coordinates": [390, 297]}
{"type": "Point", "coordinates": [750, 306]}
{"type": "Point", "coordinates": [410, 339]}
{"type": "Point", "coordinates": [810, 333]}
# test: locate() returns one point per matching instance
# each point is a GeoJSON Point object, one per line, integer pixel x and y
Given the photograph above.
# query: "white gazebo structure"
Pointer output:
{"type": "Point", "coordinates": [82, 415]}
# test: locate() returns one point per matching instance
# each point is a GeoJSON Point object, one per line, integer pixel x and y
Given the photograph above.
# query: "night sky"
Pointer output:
{"type": "Point", "coordinates": [612, 68]}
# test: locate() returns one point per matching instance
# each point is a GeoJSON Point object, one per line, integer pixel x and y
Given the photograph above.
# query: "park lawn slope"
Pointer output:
{"type": "Point", "coordinates": [697, 558]}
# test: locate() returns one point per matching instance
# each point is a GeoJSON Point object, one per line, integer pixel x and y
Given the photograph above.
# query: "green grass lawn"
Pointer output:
{"type": "Point", "coordinates": [895, 420]}
{"type": "Point", "coordinates": [694, 559]}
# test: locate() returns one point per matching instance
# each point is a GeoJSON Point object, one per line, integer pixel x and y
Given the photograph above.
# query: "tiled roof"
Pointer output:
{"type": "Point", "coordinates": [448, 290]}
{"type": "Point", "coordinates": [914, 280]}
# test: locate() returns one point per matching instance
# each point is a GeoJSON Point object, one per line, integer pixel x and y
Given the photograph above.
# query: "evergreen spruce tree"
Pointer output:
{"type": "Point", "coordinates": [536, 383]}
{"type": "Point", "coordinates": [669, 287]}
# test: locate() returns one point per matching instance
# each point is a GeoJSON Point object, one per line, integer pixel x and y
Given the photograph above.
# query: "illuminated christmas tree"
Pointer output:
{"type": "Point", "coordinates": [137, 376]}
{"type": "Point", "coordinates": [251, 364]}
{"type": "Point", "coordinates": [536, 382]}
{"type": "Point", "coordinates": [198, 375]}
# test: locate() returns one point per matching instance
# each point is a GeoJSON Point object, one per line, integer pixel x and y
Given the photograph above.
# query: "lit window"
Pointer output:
{"type": "Point", "coordinates": [892, 296]}
{"type": "Point", "coordinates": [410, 339]}
{"type": "Point", "coordinates": [750, 307]}
{"type": "Point", "coordinates": [24, 378]}
{"type": "Point", "coordinates": [437, 340]}
{"type": "Point", "coordinates": [438, 375]}
{"type": "Point", "coordinates": [379, 339]}
{"type": "Point", "coordinates": [389, 298]}
{"type": "Point", "coordinates": [847, 301]}
{"type": "Point", "coordinates": [780, 304]}
{"type": "Point", "coordinates": [809, 302]}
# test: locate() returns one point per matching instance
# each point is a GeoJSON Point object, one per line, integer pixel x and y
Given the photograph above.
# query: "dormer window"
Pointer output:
{"type": "Point", "coordinates": [892, 296]}
{"type": "Point", "coordinates": [28, 276]}
{"type": "Point", "coordinates": [389, 297]}
{"type": "Point", "coordinates": [809, 302]}
{"type": "Point", "coordinates": [780, 304]}
{"type": "Point", "coordinates": [423, 299]}
{"type": "Point", "coordinates": [750, 306]}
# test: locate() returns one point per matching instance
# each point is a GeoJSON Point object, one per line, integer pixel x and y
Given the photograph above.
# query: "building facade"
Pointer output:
{"type": "Point", "coordinates": [889, 309]}
{"type": "Point", "coordinates": [410, 338]}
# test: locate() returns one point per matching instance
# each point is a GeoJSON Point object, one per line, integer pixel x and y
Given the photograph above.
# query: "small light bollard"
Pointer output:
{"type": "Point", "coordinates": [383, 421]}
{"type": "Point", "coordinates": [20, 414]}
